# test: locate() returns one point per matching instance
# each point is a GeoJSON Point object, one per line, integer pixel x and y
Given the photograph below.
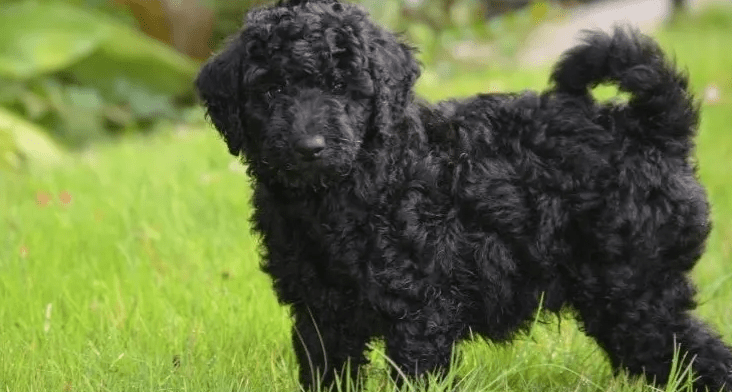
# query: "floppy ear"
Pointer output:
{"type": "Point", "coordinates": [219, 85]}
{"type": "Point", "coordinates": [394, 70]}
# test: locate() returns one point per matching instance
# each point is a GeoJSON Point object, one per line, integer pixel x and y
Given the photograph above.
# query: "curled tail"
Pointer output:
{"type": "Point", "coordinates": [659, 97]}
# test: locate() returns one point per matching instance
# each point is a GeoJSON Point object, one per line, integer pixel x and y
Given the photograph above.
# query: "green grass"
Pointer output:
{"type": "Point", "coordinates": [147, 279]}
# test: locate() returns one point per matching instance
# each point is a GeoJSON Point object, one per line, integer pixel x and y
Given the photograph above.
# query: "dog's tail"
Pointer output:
{"type": "Point", "coordinates": [659, 97]}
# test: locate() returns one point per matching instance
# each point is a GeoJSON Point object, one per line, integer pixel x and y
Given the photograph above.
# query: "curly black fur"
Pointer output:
{"type": "Point", "coordinates": [384, 216]}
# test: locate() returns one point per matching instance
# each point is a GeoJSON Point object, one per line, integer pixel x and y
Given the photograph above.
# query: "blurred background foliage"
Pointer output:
{"type": "Point", "coordinates": [77, 71]}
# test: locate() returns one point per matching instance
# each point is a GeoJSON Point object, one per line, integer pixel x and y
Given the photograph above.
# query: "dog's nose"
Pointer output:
{"type": "Point", "coordinates": [309, 147]}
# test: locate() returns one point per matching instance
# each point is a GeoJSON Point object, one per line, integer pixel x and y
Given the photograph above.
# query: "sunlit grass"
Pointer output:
{"type": "Point", "coordinates": [132, 266]}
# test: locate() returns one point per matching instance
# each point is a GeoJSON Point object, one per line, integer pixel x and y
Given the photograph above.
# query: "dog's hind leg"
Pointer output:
{"type": "Point", "coordinates": [640, 320]}
{"type": "Point", "coordinates": [329, 344]}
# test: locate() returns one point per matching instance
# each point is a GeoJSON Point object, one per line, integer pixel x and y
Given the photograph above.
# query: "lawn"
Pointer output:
{"type": "Point", "coordinates": [132, 266]}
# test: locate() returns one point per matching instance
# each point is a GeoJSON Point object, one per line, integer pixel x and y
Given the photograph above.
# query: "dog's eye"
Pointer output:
{"type": "Point", "coordinates": [274, 90]}
{"type": "Point", "coordinates": [339, 87]}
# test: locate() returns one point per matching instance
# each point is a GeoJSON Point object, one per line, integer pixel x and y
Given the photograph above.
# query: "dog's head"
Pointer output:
{"type": "Point", "coordinates": [303, 85]}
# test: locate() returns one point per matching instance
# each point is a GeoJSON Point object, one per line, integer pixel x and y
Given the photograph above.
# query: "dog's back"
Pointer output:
{"type": "Point", "coordinates": [554, 185]}
{"type": "Point", "coordinates": [592, 205]}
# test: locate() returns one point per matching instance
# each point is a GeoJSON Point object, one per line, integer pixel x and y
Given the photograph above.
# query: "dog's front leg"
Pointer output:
{"type": "Point", "coordinates": [421, 345]}
{"type": "Point", "coordinates": [328, 343]}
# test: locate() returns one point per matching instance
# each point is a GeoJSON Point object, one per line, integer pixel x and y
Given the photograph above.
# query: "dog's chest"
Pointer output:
{"type": "Point", "coordinates": [336, 230]}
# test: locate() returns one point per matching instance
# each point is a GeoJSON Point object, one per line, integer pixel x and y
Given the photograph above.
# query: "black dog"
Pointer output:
{"type": "Point", "coordinates": [383, 216]}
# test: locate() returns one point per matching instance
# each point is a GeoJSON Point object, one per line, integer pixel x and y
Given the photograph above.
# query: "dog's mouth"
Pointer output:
{"type": "Point", "coordinates": [311, 176]}
{"type": "Point", "coordinates": [323, 167]}
{"type": "Point", "coordinates": [325, 163]}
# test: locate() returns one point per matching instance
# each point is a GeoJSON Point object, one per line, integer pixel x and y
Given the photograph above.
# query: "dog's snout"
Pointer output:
{"type": "Point", "coordinates": [310, 147]}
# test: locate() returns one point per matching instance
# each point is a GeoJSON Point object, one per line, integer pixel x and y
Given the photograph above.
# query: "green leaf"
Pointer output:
{"type": "Point", "coordinates": [99, 51]}
{"type": "Point", "coordinates": [128, 57]}
{"type": "Point", "coordinates": [9, 157]}
{"type": "Point", "coordinates": [39, 39]}
{"type": "Point", "coordinates": [20, 139]}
